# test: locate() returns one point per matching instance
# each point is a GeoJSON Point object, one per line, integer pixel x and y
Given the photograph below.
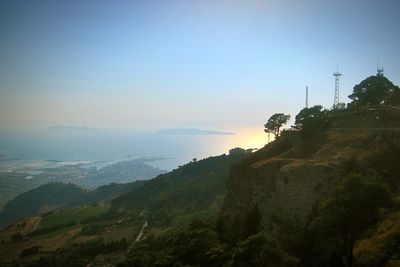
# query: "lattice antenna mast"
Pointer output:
{"type": "Point", "coordinates": [337, 75]}
{"type": "Point", "coordinates": [379, 70]}
{"type": "Point", "coordinates": [306, 96]}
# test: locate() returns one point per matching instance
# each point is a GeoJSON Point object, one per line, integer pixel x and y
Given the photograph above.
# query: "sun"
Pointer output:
{"type": "Point", "coordinates": [251, 138]}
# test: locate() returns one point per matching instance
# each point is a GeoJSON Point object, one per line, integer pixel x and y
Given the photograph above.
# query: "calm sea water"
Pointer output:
{"type": "Point", "coordinates": [105, 147]}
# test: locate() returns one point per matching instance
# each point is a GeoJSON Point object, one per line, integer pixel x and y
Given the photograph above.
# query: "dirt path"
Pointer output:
{"type": "Point", "coordinates": [139, 236]}
{"type": "Point", "coordinates": [36, 224]}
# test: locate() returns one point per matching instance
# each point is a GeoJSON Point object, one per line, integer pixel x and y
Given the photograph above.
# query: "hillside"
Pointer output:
{"type": "Point", "coordinates": [287, 177]}
{"type": "Point", "coordinates": [167, 204]}
{"type": "Point", "coordinates": [290, 179]}
{"type": "Point", "coordinates": [53, 196]}
{"type": "Point", "coordinates": [23, 175]}
{"type": "Point", "coordinates": [195, 188]}
{"type": "Point", "coordinates": [122, 172]}
{"type": "Point", "coordinates": [310, 198]}
{"type": "Point", "coordinates": [322, 198]}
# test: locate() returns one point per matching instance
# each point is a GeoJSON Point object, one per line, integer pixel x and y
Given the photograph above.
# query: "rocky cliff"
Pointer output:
{"type": "Point", "coordinates": [288, 177]}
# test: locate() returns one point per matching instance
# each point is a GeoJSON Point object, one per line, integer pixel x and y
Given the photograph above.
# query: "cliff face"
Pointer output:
{"type": "Point", "coordinates": [284, 187]}
{"type": "Point", "coordinates": [287, 177]}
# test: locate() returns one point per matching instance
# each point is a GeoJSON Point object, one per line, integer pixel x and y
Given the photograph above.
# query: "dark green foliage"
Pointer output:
{"type": "Point", "coordinates": [96, 218]}
{"type": "Point", "coordinates": [196, 245]}
{"type": "Point", "coordinates": [252, 222]}
{"type": "Point", "coordinates": [28, 203]}
{"type": "Point", "coordinates": [17, 237]}
{"type": "Point", "coordinates": [375, 90]}
{"type": "Point", "coordinates": [98, 246]}
{"type": "Point", "coordinates": [90, 229]}
{"type": "Point", "coordinates": [58, 195]}
{"type": "Point", "coordinates": [30, 251]}
{"type": "Point", "coordinates": [311, 122]}
{"type": "Point", "coordinates": [354, 206]}
{"type": "Point", "coordinates": [235, 232]}
{"type": "Point", "coordinates": [259, 250]}
{"type": "Point", "coordinates": [47, 230]}
{"type": "Point", "coordinates": [339, 107]}
{"type": "Point", "coordinates": [191, 188]}
{"type": "Point", "coordinates": [275, 123]}
{"type": "Point", "coordinates": [60, 259]}
{"type": "Point", "coordinates": [192, 246]}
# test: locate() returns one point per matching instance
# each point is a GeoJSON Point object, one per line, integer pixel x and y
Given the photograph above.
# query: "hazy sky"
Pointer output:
{"type": "Point", "coordinates": [221, 65]}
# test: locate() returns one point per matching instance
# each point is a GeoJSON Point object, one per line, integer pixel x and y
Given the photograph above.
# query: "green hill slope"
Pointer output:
{"type": "Point", "coordinates": [196, 188]}
{"type": "Point", "coordinates": [53, 196]}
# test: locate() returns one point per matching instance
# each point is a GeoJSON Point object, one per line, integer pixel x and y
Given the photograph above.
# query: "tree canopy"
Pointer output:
{"type": "Point", "coordinates": [375, 90]}
{"type": "Point", "coordinates": [311, 121]}
{"type": "Point", "coordinates": [353, 207]}
{"type": "Point", "coordinates": [275, 123]}
{"type": "Point", "coordinates": [260, 250]}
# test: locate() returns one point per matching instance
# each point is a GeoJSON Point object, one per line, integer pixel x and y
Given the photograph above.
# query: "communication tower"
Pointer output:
{"type": "Point", "coordinates": [306, 96]}
{"type": "Point", "coordinates": [337, 75]}
{"type": "Point", "coordinates": [379, 70]}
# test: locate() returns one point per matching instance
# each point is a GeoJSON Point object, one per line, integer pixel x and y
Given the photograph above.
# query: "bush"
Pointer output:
{"type": "Point", "coordinates": [29, 251]}
{"type": "Point", "coordinates": [260, 250]}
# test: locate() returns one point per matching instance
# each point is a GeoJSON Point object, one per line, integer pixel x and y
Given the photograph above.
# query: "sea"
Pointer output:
{"type": "Point", "coordinates": [99, 147]}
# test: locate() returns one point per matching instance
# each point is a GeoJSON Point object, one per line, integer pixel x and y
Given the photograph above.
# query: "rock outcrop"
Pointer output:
{"type": "Point", "coordinates": [288, 177]}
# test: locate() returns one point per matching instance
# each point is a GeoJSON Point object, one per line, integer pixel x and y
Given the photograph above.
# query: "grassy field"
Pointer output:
{"type": "Point", "coordinates": [54, 233]}
{"type": "Point", "coordinates": [73, 215]}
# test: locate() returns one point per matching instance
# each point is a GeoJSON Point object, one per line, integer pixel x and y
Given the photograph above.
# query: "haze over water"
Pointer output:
{"type": "Point", "coordinates": [111, 146]}
{"type": "Point", "coordinates": [135, 67]}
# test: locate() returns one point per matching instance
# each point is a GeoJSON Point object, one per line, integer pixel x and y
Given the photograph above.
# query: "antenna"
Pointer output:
{"type": "Point", "coordinates": [337, 75]}
{"type": "Point", "coordinates": [307, 96]}
{"type": "Point", "coordinates": [379, 70]}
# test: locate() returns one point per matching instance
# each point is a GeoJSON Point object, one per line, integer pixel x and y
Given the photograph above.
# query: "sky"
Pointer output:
{"type": "Point", "coordinates": [220, 65]}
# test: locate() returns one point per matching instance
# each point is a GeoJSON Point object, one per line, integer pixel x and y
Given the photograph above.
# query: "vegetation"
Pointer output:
{"type": "Point", "coordinates": [173, 198]}
{"type": "Point", "coordinates": [353, 208]}
{"type": "Point", "coordinates": [12, 184]}
{"type": "Point", "coordinates": [49, 229]}
{"type": "Point", "coordinates": [275, 123]}
{"type": "Point", "coordinates": [311, 121]}
{"type": "Point", "coordinates": [52, 196]}
{"type": "Point", "coordinates": [21, 180]}
{"type": "Point", "coordinates": [261, 250]}
{"type": "Point", "coordinates": [353, 222]}
{"type": "Point", "coordinates": [375, 90]}
{"type": "Point", "coordinates": [78, 215]}
{"type": "Point", "coordinates": [30, 251]}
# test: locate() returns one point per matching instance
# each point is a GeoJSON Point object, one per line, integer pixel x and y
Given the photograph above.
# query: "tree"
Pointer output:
{"type": "Point", "coordinates": [260, 250]}
{"type": "Point", "coordinates": [252, 222]}
{"type": "Point", "coordinates": [375, 90]}
{"type": "Point", "coordinates": [311, 121]}
{"type": "Point", "coordinates": [353, 207]}
{"type": "Point", "coordinates": [275, 122]}
{"type": "Point", "coordinates": [339, 106]}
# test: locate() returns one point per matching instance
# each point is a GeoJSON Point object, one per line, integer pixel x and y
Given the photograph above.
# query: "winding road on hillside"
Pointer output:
{"type": "Point", "coordinates": [139, 236]}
